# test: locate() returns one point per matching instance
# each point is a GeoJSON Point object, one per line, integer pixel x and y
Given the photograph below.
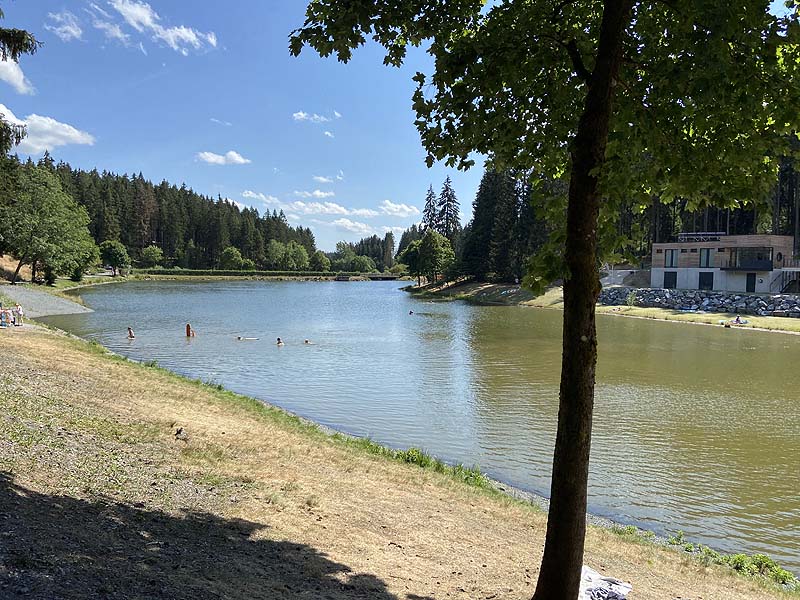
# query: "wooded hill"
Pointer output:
{"type": "Point", "coordinates": [192, 229]}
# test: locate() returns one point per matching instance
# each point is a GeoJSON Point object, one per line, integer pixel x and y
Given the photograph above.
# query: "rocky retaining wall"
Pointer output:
{"type": "Point", "coordinates": [775, 305]}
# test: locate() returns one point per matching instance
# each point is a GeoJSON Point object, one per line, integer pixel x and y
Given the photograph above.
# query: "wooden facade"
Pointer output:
{"type": "Point", "coordinates": [720, 251]}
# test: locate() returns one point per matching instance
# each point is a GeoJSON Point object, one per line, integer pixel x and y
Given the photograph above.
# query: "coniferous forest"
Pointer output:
{"type": "Point", "coordinates": [191, 229]}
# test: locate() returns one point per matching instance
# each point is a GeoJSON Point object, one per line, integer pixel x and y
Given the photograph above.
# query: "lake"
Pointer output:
{"type": "Point", "coordinates": [695, 429]}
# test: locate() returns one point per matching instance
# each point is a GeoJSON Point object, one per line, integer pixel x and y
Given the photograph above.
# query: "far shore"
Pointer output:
{"type": "Point", "coordinates": [515, 295]}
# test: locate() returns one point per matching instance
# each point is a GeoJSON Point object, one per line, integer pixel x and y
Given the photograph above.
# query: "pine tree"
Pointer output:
{"type": "Point", "coordinates": [476, 247]}
{"type": "Point", "coordinates": [430, 214]}
{"type": "Point", "coordinates": [448, 221]}
{"type": "Point", "coordinates": [388, 250]}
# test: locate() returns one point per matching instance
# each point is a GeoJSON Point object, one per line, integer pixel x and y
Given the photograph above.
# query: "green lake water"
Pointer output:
{"type": "Point", "coordinates": [696, 428]}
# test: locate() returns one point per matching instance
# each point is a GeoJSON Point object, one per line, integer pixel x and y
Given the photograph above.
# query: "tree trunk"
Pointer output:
{"type": "Point", "coordinates": [16, 272]}
{"type": "Point", "coordinates": [559, 577]}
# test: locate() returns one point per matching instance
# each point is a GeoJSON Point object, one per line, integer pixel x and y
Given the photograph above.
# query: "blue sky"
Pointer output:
{"type": "Point", "coordinates": [207, 94]}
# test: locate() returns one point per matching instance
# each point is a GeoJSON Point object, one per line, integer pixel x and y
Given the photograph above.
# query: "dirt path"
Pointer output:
{"type": "Point", "coordinates": [99, 498]}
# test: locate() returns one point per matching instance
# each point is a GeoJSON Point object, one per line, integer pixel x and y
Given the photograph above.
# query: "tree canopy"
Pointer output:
{"type": "Point", "coordinates": [41, 224]}
{"type": "Point", "coordinates": [625, 100]}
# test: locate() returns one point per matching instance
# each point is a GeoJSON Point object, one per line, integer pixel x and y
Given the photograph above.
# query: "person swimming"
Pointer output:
{"type": "Point", "coordinates": [131, 335]}
{"type": "Point", "coordinates": [245, 339]}
{"type": "Point", "coordinates": [308, 342]}
{"type": "Point", "coordinates": [279, 342]}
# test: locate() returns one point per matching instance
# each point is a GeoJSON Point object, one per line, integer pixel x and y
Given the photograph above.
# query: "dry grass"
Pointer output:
{"type": "Point", "coordinates": [100, 499]}
{"type": "Point", "coordinates": [8, 264]}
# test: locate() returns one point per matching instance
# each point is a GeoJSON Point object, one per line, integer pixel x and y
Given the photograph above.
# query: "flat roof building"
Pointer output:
{"type": "Point", "coordinates": [731, 263]}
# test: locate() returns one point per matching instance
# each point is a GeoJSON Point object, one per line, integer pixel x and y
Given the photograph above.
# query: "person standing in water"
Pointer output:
{"type": "Point", "coordinates": [131, 335]}
{"type": "Point", "coordinates": [279, 342]}
{"type": "Point", "coordinates": [189, 331]}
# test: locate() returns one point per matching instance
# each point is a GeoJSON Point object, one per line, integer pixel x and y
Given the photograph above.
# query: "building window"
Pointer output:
{"type": "Point", "coordinates": [684, 250]}
{"type": "Point", "coordinates": [720, 249]}
{"type": "Point", "coordinates": [671, 258]}
{"type": "Point", "coordinates": [705, 258]}
{"type": "Point", "coordinates": [706, 281]}
{"type": "Point", "coordinates": [693, 250]}
{"type": "Point", "coordinates": [670, 280]}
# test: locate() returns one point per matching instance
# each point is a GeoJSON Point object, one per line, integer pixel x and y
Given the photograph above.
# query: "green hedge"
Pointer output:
{"type": "Point", "coordinates": [221, 273]}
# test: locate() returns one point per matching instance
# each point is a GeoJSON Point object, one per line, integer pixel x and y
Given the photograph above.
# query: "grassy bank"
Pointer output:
{"type": "Point", "coordinates": [120, 479]}
{"type": "Point", "coordinates": [514, 295]}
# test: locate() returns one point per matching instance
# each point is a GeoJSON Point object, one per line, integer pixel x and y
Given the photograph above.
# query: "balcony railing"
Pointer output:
{"type": "Point", "coordinates": [752, 264]}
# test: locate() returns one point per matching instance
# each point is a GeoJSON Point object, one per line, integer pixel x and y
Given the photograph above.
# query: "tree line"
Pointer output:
{"type": "Point", "coordinates": [190, 230]}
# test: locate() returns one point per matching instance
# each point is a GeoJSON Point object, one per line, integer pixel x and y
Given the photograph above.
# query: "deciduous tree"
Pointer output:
{"type": "Point", "coordinates": [623, 99]}
{"type": "Point", "coordinates": [114, 254]}
{"type": "Point", "coordinates": [41, 224]}
{"type": "Point", "coordinates": [152, 256]}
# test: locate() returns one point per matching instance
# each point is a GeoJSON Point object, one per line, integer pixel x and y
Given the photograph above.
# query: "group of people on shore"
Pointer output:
{"type": "Point", "coordinates": [11, 316]}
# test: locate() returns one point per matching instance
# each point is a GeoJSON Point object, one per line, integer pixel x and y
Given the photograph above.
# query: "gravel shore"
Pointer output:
{"type": "Point", "coordinates": [37, 303]}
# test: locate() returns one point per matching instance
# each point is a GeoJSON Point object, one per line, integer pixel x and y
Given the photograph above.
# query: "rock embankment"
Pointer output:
{"type": "Point", "coordinates": [767, 305]}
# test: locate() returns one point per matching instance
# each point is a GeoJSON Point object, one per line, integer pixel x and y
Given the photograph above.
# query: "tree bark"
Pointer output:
{"type": "Point", "coordinates": [559, 576]}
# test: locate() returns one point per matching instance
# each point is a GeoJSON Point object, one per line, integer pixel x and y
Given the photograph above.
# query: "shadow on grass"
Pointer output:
{"type": "Point", "coordinates": [58, 547]}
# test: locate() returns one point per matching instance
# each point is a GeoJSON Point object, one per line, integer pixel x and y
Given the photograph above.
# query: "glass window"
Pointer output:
{"type": "Point", "coordinates": [671, 258]}
{"type": "Point", "coordinates": [705, 257]}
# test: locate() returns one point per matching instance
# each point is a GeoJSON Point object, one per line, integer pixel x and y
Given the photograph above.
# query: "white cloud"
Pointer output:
{"type": "Point", "coordinates": [112, 31]}
{"type": "Point", "coordinates": [316, 208]}
{"type": "Point", "coordinates": [314, 118]}
{"type": "Point", "coordinates": [99, 10]}
{"type": "Point", "coordinates": [329, 134]}
{"type": "Point", "coordinates": [364, 212]}
{"type": "Point", "coordinates": [398, 210]}
{"type": "Point", "coordinates": [45, 133]}
{"type": "Point", "coordinates": [353, 226]}
{"type": "Point", "coordinates": [229, 158]}
{"type": "Point", "coordinates": [337, 114]}
{"type": "Point", "coordinates": [340, 175]}
{"type": "Point", "coordinates": [142, 17]}
{"type": "Point", "coordinates": [259, 196]}
{"type": "Point", "coordinates": [141, 47]}
{"type": "Point", "coordinates": [300, 207]}
{"type": "Point", "coordinates": [322, 179]}
{"type": "Point", "coordinates": [221, 122]}
{"type": "Point", "coordinates": [314, 194]}
{"type": "Point", "coordinates": [12, 74]}
{"type": "Point", "coordinates": [65, 25]}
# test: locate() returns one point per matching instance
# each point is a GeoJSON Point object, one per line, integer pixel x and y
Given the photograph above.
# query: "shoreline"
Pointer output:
{"type": "Point", "coordinates": [489, 294]}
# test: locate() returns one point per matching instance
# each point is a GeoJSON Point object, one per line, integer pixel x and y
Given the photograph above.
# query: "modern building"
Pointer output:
{"type": "Point", "coordinates": [731, 263]}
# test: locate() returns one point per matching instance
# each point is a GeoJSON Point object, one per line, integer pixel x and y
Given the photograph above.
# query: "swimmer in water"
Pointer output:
{"type": "Point", "coordinates": [411, 312]}
{"type": "Point", "coordinates": [279, 342]}
{"type": "Point", "coordinates": [245, 339]}
{"type": "Point", "coordinates": [131, 335]}
{"type": "Point", "coordinates": [189, 330]}
{"type": "Point", "coordinates": [308, 342]}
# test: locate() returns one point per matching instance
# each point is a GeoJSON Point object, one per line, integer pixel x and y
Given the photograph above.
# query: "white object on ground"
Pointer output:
{"type": "Point", "coordinates": [595, 586]}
